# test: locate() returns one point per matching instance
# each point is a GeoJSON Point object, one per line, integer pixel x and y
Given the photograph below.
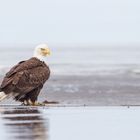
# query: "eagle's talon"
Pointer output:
{"type": "Point", "coordinates": [40, 104]}
{"type": "Point", "coordinates": [29, 103]}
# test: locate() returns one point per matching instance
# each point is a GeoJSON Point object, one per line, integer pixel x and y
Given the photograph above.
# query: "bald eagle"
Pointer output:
{"type": "Point", "coordinates": [25, 80]}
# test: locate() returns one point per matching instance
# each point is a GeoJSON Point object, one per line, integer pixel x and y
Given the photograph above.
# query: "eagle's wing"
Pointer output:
{"type": "Point", "coordinates": [7, 79]}
{"type": "Point", "coordinates": [26, 75]}
{"type": "Point", "coordinates": [30, 79]}
{"type": "Point", "coordinates": [23, 65]}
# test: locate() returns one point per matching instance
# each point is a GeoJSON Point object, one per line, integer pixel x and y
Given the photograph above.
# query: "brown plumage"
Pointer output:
{"type": "Point", "coordinates": [25, 80]}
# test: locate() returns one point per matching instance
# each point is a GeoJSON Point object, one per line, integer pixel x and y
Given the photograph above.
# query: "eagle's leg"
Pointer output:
{"type": "Point", "coordinates": [38, 104]}
{"type": "Point", "coordinates": [30, 98]}
{"type": "Point", "coordinates": [30, 103]}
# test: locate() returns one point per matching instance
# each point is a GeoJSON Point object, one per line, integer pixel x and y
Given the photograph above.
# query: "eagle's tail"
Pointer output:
{"type": "Point", "coordinates": [2, 95]}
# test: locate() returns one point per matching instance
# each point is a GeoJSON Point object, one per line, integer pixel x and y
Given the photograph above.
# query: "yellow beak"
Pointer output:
{"type": "Point", "coordinates": [47, 51]}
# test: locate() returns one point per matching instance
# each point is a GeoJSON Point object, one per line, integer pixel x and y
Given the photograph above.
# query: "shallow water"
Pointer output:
{"type": "Point", "coordinates": [71, 123]}
{"type": "Point", "coordinates": [22, 123]}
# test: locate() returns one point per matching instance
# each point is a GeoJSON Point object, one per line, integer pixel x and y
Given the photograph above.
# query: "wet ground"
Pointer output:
{"type": "Point", "coordinates": [71, 123]}
{"type": "Point", "coordinates": [98, 90]}
{"type": "Point", "coordinates": [78, 115]}
{"type": "Point", "coordinates": [94, 90]}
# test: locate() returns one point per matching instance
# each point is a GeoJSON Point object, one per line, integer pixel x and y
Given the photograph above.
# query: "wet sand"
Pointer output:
{"type": "Point", "coordinates": [93, 90]}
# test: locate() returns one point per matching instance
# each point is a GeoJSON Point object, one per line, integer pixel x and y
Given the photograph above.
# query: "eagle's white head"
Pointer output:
{"type": "Point", "coordinates": [41, 51]}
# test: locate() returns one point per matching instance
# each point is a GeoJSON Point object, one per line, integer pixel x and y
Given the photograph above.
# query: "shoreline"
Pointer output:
{"type": "Point", "coordinates": [94, 90]}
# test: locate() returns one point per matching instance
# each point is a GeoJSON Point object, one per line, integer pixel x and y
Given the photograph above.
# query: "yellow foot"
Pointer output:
{"type": "Point", "coordinates": [30, 103]}
{"type": "Point", "coordinates": [38, 104]}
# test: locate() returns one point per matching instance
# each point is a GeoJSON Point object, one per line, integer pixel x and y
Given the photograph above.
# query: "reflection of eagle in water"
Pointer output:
{"type": "Point", "coordinates": [24, 123]}
{"type": "Point", "coordinates": [25, 80]}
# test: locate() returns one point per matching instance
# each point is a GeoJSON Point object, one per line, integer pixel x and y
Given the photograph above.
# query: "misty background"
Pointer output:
{"type": "Point", "coordinates": [85, 36]}
{"type": "Point", "coordinates": [92, 22]}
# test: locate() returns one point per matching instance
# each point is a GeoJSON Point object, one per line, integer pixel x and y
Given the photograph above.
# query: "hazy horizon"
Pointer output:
{"type": "Point", "coordinates": [102, 22]}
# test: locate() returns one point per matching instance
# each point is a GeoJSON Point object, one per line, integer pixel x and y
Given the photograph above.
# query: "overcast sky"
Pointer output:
{"type": "Point", "coordinates": [70, 21]}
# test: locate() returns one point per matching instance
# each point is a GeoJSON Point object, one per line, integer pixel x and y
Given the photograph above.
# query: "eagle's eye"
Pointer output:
{"type": "Point", "coordinates": [42, 49]}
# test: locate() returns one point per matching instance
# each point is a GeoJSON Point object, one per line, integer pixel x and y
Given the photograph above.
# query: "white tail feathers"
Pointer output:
{"type": "Point", "coordinates": [2, 96]}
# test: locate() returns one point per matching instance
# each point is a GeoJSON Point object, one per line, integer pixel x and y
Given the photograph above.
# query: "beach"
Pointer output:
{"type": "Point", "coordinates": [97, 93]}
{"type": "Point", "coordinates": [94, 90]}
{"type": "Point", "coordinates": [90, 76]}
